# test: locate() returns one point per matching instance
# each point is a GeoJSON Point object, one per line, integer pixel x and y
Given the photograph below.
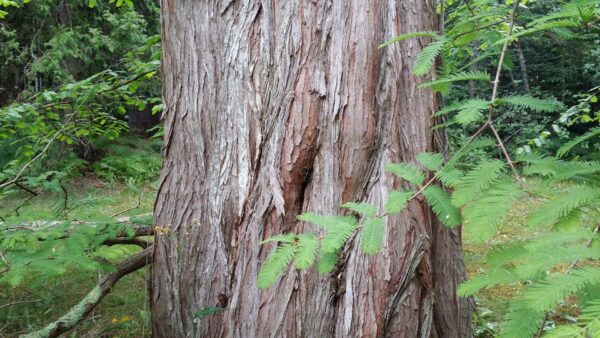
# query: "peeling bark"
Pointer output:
{"type": "Point", "coordinates": [277, 108]}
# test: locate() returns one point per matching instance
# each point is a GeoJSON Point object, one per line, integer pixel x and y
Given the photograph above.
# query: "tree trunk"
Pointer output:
{"type": "Point", "coordinates": [275, 108]}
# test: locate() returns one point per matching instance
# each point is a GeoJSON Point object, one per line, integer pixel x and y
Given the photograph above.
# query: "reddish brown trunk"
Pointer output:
{"type": "Point", "coordinates": [280, 107]}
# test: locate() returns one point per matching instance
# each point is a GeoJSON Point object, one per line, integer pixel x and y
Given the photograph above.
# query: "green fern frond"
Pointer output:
{"type": "Point", "coordinates": [484, 175]}
{"type": "Point", "coordinates": [462, 76]}
{"type": "Point", "coordinates": [337, 235]}
{"type": "Point", "coordinates": [520, 322]}
{"type": "Point", "coordinates": [275, 265]}
{"type": "Point", "coordinates": [561, 206]}
{"type": "Point", "coordinates": [490, 279]}
{"type": "Point", "coordinates": [363, 208]}
{"type": "Point", "coordinates": [478, 143]}
{"type": "Point", "coordinates": [327, 262]}
{"type": "Point", "coordinates": [407, 36]}
{"type": "Point", "coordinates": [371, 236]}
{"type": "Point", "coordinates": [566, 148]}
{"type": "Point", "coordinates": [483, 215]}
{"type": "Point", "coordinates": [397, 200]}
{"type": "Point", "coordinates": [431, 161]}
{"type": "Point", "coordinates": [307, 248]}
{"type": "Point", "coordinates": [407, 172]}
{"type": "Point", "coordinates": [528, 101]}
{"type": "Point", "coordinates": [538, 28]}
{"type": "Point", "coordinates": [544, 295]}
{"type": "Point", "coordinates": [440, 203]}
{"type": "Point", "coordinates": [471, 111]}
{"type": "Point", "coordinates": [425, 59]}
{"type": "Point", "coordinates": [450, 177]}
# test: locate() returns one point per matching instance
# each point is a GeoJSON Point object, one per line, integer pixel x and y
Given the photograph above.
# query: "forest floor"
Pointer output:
{"type": "Point", "coordinates": [125, 311]}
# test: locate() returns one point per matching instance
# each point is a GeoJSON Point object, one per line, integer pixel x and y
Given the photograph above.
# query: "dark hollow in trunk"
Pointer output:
{"type": "Point", "coordinates": [275, 108]}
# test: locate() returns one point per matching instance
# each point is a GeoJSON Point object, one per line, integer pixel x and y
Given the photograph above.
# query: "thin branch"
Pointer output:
{"type": "Point", "coordinates": [20, 302]}
{"type": "Point", "coordinates": [94, 297]}
{"type": "Point", "coordinates": [139, 202]}
{"type": "Point", "coordinates": [20, 185]}
{"type": "Point", "coordinates": [496, 83]}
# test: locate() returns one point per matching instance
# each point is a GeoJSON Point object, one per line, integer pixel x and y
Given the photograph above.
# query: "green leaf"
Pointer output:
{"type": "Point", "coordinates": [327, 262]}
{"type": "Point", "coordinates": [371, 236]}
{"type": "Point", "coordinates": [363, 208]}
{"type": "Point", "coordinates": [527, 101]}
{"type": "Point", "coordinates": [406, 172]}
{"type": "Point", "coordinates": [409, 36]}
{"type": "Point", "coordinates": [486, 173]}
{"type": "Point", "coordinates": [327, 222]}
{"type": "Point", "coordinates": [431, 161]}
{"type": "Point", "coordinates": [462, 76]}
{"type": "Point", "coordinates": [397, 200]}
{"type": "Point", "coordinates": [275, 265]}
{"type": "Point", "coordinates": [440, 203]}
{"type": "Point", "coordinates": [484, 214]}
{"type": "Point", "coordinates": [337, 235]}
{"type": "Point", "coordinates": [566, 148]}
{"type": "Point", "coordinates": [471, 111]}
{"type": "Point", "coordinates": [425, 59]}
{"type": "Point", "coordinates": [563, 205]}
{"type": "Point", "coordinates": [306, 250]}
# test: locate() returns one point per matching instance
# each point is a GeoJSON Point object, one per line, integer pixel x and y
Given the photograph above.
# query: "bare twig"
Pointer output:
{"type": "Point", "coordinates": [20, 185]}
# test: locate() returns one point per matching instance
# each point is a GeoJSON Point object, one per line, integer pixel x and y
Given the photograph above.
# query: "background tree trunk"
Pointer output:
{"type": "Point", "coordinates": [275, 108]}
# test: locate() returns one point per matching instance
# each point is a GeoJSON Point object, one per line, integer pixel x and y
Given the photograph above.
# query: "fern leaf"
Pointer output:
{"type": "Point", "coordinates": [306, 250]}
{"type": "Point", "coordinates": [363, 208]}
{"type": "Point", "coordinates": [397, 200]}
{"type": "Point", "coordinates": [561, 206]}
{"type": "Point", "coordinates": [337, 235]}
{"type": "Point", "coordinates": [482, 217]}
{"type": "Point", "coordinates": [484, 175]}
{"type": "Point", "coordinates": [471, 111]}
{"type": "Point", "coordinates": [440, 203]}
{"type": "Point", "coordinates": [544, 295]}
{"type": "Point", "coordinates": [406, 172]}
{"type": "Point", "coordinates": [327, 262]}
{"type": "Point", "coordinates": [450, 177]}
{"type": "Point", "coordinates": [462, 76]}
{"type": "Point", "coordinates": [566, 148]}
{"type": "Point", "coordinates": [371, 236]}
{"type": "Point", "coordinates": [492, 278]}
{"type": "Point", "coordinates": [520, 322]}
{"type": "Point", "coordinates": [528, 101]}
{"type": "Point", "coordinates": [275, 264]}
{"type": "Point", "coordinates": [425, 59]}
{"type": "Point", "coordinates": [431, 161]}
{"type": "Point", "coordinates": [407, 36]}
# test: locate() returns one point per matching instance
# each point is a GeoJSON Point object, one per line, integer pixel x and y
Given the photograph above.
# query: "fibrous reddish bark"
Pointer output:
{"type": "Point", "coordinates": [275, 108]}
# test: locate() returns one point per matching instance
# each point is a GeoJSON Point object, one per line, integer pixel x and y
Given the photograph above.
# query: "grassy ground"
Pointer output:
{"type": "Point", "coordinates": [125, 311]}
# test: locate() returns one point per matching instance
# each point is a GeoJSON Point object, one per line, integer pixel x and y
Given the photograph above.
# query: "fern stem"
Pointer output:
{"type": "Point", "coordinates": [495, 94]}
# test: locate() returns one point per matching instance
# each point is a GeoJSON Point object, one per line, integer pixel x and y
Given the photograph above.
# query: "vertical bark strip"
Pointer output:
{"type": "Point", "coordinates": [273, 108]}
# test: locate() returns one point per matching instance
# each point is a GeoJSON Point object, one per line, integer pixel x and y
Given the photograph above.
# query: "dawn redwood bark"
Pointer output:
{"type": "Point", "coordinates": [275, 108]}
